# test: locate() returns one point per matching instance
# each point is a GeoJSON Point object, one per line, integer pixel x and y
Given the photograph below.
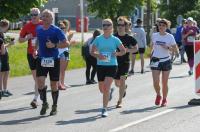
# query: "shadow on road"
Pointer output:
{"type": "Point", "coordinates": [93, 110]}
{"type": "Point", "coordinates": [14, 110]}
{"type": "Point", "coordinates": [30, 93]}
{"type": "Point", "coordinates": [21, 121]}
{"type": "Point", "coordinates": [147, 109]}
{"type": "Point", "coordinates": [78, 121]}
{"type": "Point", "coordinates": [183, 107]}
{"type": "Point", "coordinates": [177, 77]}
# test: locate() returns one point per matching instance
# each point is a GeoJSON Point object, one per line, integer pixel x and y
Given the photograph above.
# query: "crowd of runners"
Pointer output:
{"type": "Point", "coordinates": [110, 54]}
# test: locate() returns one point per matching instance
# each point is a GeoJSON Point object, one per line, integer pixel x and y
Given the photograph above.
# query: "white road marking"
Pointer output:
{"type": "Point", "coordinates": [141, 120]}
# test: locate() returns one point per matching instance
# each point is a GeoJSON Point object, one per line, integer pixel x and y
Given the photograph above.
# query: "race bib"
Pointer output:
{"type": "Point", "coordinates": [47, 62]}
{"type": "Point", "coordinates": [107, 56]}
{"type": "Point", "coordinates": [190, 39]}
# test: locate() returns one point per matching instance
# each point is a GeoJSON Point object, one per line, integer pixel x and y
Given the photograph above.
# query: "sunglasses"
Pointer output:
{"type": "Point", "coordinates": [106, 25]}
{"type": "Point", "coordinates": [121, 25]}
{"type": "Point", "coordinates": [62, 27]}
{"type": "Point", "coordinates": [34, 14]}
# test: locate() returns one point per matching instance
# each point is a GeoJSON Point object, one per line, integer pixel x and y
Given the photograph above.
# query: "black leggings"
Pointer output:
{"type": "Point", "coordinates": [189, 49]}
{"type": "Point", "coordinates": [90, 62]}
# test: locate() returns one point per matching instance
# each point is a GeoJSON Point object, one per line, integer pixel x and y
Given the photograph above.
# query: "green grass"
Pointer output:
{"type": "Point", "coordinates": [19, 64]}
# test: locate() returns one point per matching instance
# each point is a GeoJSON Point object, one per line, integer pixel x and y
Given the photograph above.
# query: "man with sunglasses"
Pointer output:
{"type": "Point", "coordinates": [28, 33]}
{"type": "Point", "coordinates": [123, 61]}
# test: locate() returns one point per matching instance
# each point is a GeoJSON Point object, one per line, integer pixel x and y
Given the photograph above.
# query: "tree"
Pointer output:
{"type": "Point", "coordinates": [14, 9]}
{"type": "Point", "coordinates": [176, 7]}
{"type": "Point", "coordinates": [113, 8]}
{"type": "Point", "coordinates": [195, 13]}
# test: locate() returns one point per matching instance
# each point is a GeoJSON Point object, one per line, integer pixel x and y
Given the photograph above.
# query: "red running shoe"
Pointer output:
{"type": "Point", "coordinates": [157, 101]}
{"type": "Point", "coordinates": [164, 103]}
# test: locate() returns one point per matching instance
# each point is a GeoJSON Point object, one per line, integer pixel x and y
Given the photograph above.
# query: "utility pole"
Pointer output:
{"type": "Point", "coordinates": [82, 21]}
{"type": "Point", "coordinates": [148, 20]}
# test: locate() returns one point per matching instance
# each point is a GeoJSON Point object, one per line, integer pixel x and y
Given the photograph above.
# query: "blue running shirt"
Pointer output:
{"type": "Point", "coordinates": [54, 34]}
{"type": "Point", "coordinates": [106, 47]}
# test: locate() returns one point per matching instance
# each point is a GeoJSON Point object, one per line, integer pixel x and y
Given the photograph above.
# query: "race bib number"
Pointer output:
{"type": "Point", "coordinates": [47, 62]}
{"type": "Point", "coordinates": [190, 39]}
{"type": "Point", "coordinates": [107, 56]}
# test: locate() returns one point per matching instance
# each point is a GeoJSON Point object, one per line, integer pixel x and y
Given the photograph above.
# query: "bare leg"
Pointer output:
{"type": "Point", "coordinates": [165, 76]}
{"type": "Point", "coordinates": [133, 61]}
{"type": "Point", "coordinates": [156, 81]}
{"type": "Point", "coordinates": [107, 83]}
{"type": "Point", "coordinates": [142, 62]}
{"type": "Point", "coordinates": [63, 67]}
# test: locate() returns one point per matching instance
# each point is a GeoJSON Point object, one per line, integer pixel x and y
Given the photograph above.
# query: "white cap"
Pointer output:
{"type": "Point", "coordinates": [190, 19]}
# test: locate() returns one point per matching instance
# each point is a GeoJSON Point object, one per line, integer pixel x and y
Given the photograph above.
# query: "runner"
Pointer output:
{"type": "Point", "coordinates": [162, 43]}
{"type": "Point", "coordinates": [50, 38]}
{"type": "Point", "coordinates": [104, 49]}
{"type": "Point", "coordinates": [64, 54]}
{"type": "Point", "coordinates": [123, 61]}
{"type": "Point", "coordinates": [4, 58]}
{"type": "Point", "coordinates": [28, 33]}
{"type": "Point", "coordinates": [140, 36]}
{"type": "Point", "coordinates": [189, 34]}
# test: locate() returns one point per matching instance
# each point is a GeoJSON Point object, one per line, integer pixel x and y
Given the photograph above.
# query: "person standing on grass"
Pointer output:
{"type": "Point", "coordinates": [162, 44]}
{"type": "Point", "coordinates": [90, 60]}
{"type": "Point", "coordinates": [4, 59]}
{"type": "Point", "coordinates": [123, 61]}
{"type": "Point", "coordinates": [50, 38]}
{"type": "Point", "coordinates": [64, 54]}
{"type": "Point", "coordinates": [140, 36]}
{"type": "Point", "coordinates": [104, 48]}
{"type": "Point", "coordinates": [28, 33]}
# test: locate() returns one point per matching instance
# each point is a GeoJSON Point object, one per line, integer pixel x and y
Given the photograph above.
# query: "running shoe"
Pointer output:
{"type": "Point", "coordinates": [33, 104]}
{"type": "Point", "coordinates": [119, 104]}
{"type": "Point", "coordinates": [45, 106]}
{"type": "Point", "coordinates": [104, 113]}
{"type": "Point", "coordinates": [142, 71]}
{"type": "Point", "coordinates": [8, 93]}
{"type": "Point", "coordinates": [5, 94]}
{"type": "Point", "coordinates": [131, 71]}
{"type": "Point", "coordinates": [158, 99]}
{"type": "Point", "coordinates": [93, 82]}
{"type": "Point", "coordinates": [164, 103]}
{"type": "Point", "coordinates": [53, 110]}
{"type": "Point", "coordinates": [111, 94]}
{"type": "Point", "coordinates": [61, 87]}
{"type": "Point", "coordinates": [190, 72]}
{"type": "Point", "coordinates": [88, 82]}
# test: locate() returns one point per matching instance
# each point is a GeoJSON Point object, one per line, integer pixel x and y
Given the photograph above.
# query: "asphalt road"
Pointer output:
{"type": "Point", "coordinates": [79, 106]}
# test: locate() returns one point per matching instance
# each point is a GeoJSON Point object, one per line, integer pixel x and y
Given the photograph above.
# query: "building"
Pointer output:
{"type": "Point", "coordinates": [70, 9]}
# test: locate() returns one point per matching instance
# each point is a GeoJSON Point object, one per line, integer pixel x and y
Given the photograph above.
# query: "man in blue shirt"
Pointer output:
{"type": "Point", "coordinates": [178, 38]}
{"type": "Point", "coordinates": [49, 38]}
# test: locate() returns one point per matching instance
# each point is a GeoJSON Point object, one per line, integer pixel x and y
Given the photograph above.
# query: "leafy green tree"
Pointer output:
{"type": "Point", "coordinates": [175, 8]}
{"type": "Point", "coordinates": [113, 8]}
{"type": "Point", "coordinates": [195, 13]}
{"type": "Point", "coordinates": [14, 9]}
